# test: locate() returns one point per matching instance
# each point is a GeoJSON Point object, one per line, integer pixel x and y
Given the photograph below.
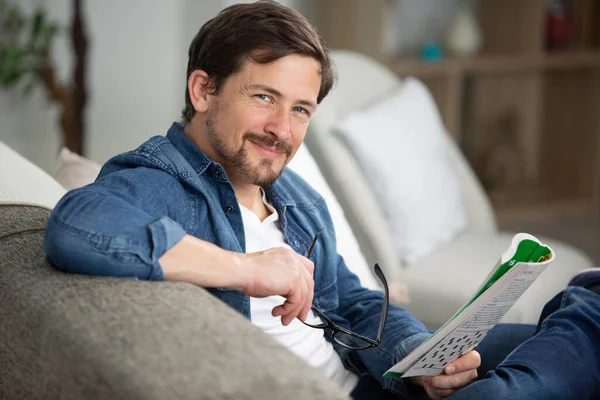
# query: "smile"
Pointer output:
{"type": "Point", "coordinates": [270, 151]}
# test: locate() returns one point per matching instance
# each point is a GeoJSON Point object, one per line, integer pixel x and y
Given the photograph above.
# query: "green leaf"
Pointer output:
{"type": "Point", "coordinates": [14, 15]}
{"type": "Point", "coordinates": [24, 43]}
{"type": "Point", "coordinates": [47, 34]}
{"type": "Point", "coordinates": [37, 24]}
{"type": "Point", "coordinates": [13, 22]}
{"type": "Point", "coordinates": [12, 66]}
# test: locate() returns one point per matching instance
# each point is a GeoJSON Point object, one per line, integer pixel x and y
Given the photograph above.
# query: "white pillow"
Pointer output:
{"type": "Point", "coordinates": [399, 144]}
{"type": "Point", "coordinates": [24, 183]}
{"type": "Point", "coordinates": [74, 171]}
{"type": "Point", "coordinates": [347, 246]}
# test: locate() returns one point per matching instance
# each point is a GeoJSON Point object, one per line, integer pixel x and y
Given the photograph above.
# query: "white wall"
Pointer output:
{"type": "Point", "coordinates": [136, 76]}
{"type": "Point", "coordinates": [136, 72]}
{"type": "Point", "coordinates": [29, 125]}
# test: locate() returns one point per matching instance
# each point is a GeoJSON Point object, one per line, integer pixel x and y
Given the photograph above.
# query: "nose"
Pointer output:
{"type": "Point", "coordinates": [279, 124]}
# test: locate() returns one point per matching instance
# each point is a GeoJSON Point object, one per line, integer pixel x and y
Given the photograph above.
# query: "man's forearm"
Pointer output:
{"type": "Point", "coordinates": [202, 263]}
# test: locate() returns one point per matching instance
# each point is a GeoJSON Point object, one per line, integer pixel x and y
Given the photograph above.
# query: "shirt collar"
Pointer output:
{"type": "Point", "coordinates": [192, 153]}
{"type": "Point", "coordinates": [278, 196]}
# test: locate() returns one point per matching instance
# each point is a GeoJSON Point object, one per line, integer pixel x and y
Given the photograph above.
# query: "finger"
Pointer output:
{"type": "Point", "coordinates": [454, 381]}
{"type": "Point", "coordinates": [468, 361]}
{"type": "Point", "coordinates": [296, 308]}
{"type": "Point", "coordinates": [432, 393]}
{"type": "Point", "coordinates": [291, 311]}
{"type": "Point", "coordinates": [302, 311]}
{"type": "Point", "coordinates": [309, 285]}
{"type": "Point", "coordinates": [311, 290]}
{"type": "Point", "coordinates": [310, 267]}
{"type": "Point", "coordinates": [292, 301]}
{"type": "Point", "coordinates": [277, 311]}
{"type": "Point", "coordinates": [309, 296]}
{"type": "Point", "coordinates": [442, 394]}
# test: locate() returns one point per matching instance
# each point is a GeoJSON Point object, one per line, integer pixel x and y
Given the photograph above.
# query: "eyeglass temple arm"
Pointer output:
{"type": "Point", "coordinates": [381, 277]}
{"type": "Point", "coordinates": [310, 248]}
{"type": "Point", "coordinates": [386, 301]}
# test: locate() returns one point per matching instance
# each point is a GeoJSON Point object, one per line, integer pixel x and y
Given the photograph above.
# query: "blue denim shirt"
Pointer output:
{"type": "Point", "coordinates": [144, 201]}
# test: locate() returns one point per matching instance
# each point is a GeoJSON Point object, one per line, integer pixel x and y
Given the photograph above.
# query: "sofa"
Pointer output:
{"type": "Point", "coordinates": [442, 281]}
{"type": "Point", "coordinates": [72, 336]}
{"type": "Point", "coordinates": [79, 337]}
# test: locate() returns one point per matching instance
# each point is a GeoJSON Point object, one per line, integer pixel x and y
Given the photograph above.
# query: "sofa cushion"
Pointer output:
{"type": "Point", "coordinates": [347, 246]}
{"type": "Point", "coordinates": [443, 282]}
{"type": "Point", "coordinates": [22, 182]}
{"type": "Point", "coordinates": [73, 171]}
{"type": "Point", "coordinates": [74, 336]}
{"type": "Point", "coordinates": [22, 219]}
{"type": "Point", "coordinates": [400, 144]}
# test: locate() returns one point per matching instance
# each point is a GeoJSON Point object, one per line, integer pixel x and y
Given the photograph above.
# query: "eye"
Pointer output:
{"type": "Point", "coordinates": [301, 110]}
{"type": "Point", "coordinates": [263, 97]}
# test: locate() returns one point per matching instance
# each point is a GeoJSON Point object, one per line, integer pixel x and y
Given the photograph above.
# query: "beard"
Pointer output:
{"type": "Point", "coordinates": [262, 172]}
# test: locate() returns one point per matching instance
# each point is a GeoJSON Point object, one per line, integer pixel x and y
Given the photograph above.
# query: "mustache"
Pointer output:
{"type": "Point", "coordinates": [269, 141]}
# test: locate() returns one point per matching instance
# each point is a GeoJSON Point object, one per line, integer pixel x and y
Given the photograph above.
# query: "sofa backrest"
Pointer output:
{"type": "Point", "coordinates": [363, 81]}
{"type": "Point", "coordinates": [79, 337]}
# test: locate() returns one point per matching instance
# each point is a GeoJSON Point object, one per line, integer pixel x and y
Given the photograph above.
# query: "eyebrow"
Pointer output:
{"type": "Point", "coordinates": [277, 93]}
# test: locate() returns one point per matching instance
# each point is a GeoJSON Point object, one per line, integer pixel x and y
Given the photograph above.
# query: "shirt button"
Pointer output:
{"type": "Point", "coordinates": [296, 243]}
{"type": "Point", "coordinates": [229, 209]}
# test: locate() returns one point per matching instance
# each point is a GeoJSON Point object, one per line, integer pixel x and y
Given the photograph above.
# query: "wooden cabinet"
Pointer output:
{"type": "Point", "coordinates": [527, 118]}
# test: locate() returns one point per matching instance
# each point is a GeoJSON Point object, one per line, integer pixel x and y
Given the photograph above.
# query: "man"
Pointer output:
{"type": "Point", "coordinates": [211, 204]}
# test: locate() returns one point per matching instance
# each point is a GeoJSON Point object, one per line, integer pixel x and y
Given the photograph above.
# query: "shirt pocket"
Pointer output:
{"type": "Point", "coordinates": [327, 299]}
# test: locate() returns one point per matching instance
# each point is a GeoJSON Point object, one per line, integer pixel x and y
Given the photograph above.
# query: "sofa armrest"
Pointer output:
{"type": "Point", "coordinates": [73, 336]}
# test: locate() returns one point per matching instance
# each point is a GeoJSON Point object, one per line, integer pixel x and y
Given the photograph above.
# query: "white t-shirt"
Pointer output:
{"type": "Point", "coordinates": [306, 342]}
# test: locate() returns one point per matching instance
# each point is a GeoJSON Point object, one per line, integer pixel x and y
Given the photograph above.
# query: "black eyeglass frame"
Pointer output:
{"type": "Point", "coordinates": [329, 324]}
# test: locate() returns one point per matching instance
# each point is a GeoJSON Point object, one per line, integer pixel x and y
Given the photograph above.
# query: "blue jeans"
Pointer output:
{"type": "Point", "coordinates": [558, 359]}
{"type": "Point", "coordinates": [496, 346]}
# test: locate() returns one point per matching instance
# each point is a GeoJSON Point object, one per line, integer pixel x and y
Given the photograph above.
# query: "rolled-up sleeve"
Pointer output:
{"type": "Point", "coordinates": [164, 234]}
{"type": "Point", "coordinates": [96, 231]}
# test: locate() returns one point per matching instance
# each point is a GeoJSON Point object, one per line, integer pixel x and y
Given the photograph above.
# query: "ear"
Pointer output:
{"type": "Point", "coordinates": [198, 89]}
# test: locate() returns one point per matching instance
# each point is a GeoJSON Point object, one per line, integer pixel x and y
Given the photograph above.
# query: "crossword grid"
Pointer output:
{"type": "Point", "coordinates": [448, 350]}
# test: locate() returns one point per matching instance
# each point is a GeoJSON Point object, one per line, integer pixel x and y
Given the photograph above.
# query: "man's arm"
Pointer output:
{"type": "Point", "coordinates": [402, 334]}
{"type": "Point", "coordinates": [107, 229]}
{"type": "Point", "coordinates": [277, 271]}
{"type": "Point", "coordinates": [362, 308]}
{"type": "Point", "coordinates": [117, 226]}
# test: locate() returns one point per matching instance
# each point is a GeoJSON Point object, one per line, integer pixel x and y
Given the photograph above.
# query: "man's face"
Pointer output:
{"type": "Point", "coordinates": [259, 118]}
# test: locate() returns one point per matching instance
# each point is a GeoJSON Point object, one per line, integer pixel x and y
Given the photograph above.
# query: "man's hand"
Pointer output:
{"type": "Point", "coordinates": [273, 272]}
{"type": "Point", "coordinates": [282, 272]}
{"type": "Point", "coordinates": [457, 374]}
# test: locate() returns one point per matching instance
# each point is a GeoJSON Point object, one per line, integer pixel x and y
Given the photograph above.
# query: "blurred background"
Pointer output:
{"type": "Point", "coordinates": [516, 81]}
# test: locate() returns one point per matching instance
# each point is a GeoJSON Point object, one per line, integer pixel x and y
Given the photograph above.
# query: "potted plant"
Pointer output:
{"type": "Point", "coordinates": [25, 61]}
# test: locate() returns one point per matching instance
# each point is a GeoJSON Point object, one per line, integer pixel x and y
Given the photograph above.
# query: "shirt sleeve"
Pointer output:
{"type": "Point", "coordinates": [116, 226]}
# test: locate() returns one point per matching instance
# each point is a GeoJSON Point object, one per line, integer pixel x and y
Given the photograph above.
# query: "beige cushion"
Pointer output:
{"type": "Point", "coordinates": [73, 171]}
{"type": "Point", "coordinates": [399, 142]}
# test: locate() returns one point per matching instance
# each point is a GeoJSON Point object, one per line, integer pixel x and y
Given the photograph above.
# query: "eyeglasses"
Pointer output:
{"type": "Point", "coordinates": [343, 336]}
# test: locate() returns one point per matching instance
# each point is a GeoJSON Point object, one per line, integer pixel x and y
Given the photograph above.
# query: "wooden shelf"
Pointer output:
{"type": "Point", "coordinates": [497, 64]}
{"type": "Point", "coordinates": [522, 115]}
{"type": "Point", "coordinates": [542, 211]}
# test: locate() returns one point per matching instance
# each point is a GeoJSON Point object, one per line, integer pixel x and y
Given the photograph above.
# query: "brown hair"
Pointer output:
{"type": "Point", "coordinates": [265, 31]}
